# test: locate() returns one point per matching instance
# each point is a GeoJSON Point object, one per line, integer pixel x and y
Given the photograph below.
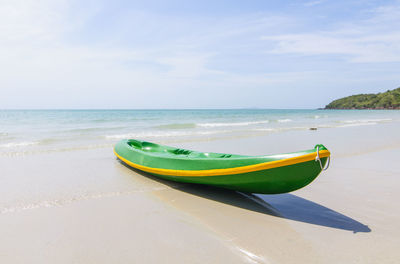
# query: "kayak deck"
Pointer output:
{"type": "Point", "coordinates": [259, 174]}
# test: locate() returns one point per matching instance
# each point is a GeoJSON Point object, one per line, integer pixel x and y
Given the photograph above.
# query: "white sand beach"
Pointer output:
{"type": "Point", "coordinates": [85, 206]}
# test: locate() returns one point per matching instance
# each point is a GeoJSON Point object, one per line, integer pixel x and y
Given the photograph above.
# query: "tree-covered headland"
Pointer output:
{"type": "Point", "coordinates": [387, 100]}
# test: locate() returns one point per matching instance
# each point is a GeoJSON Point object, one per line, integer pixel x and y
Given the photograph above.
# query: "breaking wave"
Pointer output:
{"type": "Point", "coordinates": [19, 144]}
{"type": "Point", "coordinates": [161, 134]}
{"type": "Point", "coordinates": [287, 120]}
{"type": "Point", "coordinates": [177, 126]}
{"type": "Point", "coordinates": [233, 124]}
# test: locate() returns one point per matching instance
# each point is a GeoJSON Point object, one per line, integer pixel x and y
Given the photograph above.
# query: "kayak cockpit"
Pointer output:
{"type": "Point", "coordinates": [177, 152]}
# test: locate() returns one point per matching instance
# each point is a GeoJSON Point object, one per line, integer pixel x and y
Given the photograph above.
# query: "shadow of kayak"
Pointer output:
{"type": "Point", "coordinates": [299, 209]}
{"type": "Point", "coordinates": [288, 206]}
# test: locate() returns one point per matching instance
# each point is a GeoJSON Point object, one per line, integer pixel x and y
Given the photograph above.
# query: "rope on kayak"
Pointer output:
{"type": "Point", "coordinates": [320, 163]}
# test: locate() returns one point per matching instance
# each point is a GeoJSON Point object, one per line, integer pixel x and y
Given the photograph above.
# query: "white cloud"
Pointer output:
{"type": "Point", "coordinates": [37, 58]}
{"type": "Point", "coordinates": [373, 48]}
{"type": "Point", "coordinates": [376, 39]}
{"type": "Point", "coordinates": [35, 21]}
{"type": "Point", "coordinates": [313, 3]}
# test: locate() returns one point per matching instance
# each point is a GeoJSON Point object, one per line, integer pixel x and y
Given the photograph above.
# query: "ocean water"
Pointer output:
{"type": "Point", "coordinates": [27, 132]}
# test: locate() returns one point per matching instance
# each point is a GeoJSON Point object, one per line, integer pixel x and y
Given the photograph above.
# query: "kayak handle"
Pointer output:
{"type": "Point", "coordinates": [320, 163]}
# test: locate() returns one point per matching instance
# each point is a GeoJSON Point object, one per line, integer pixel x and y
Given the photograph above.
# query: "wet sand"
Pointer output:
{"type": "Point", "coordinates": [87, 207]}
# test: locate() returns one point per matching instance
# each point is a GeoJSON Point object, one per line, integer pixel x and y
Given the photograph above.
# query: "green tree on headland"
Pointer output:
{"type": "Point", "coordinates": [386, 100]}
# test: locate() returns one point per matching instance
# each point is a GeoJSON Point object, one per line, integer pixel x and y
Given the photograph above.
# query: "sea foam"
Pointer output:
{"type": "Point", "coordinates": [233, 124]}
{"type": "Point", "coordinates": [19, 144]}
{"type": "Point", "coordinates": [162, 134]}
{"type": "Point", "coordinates": [284, 120]}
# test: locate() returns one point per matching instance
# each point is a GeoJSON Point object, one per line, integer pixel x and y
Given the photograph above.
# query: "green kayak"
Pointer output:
{"type": "Point", "coordinates": [256, 174]}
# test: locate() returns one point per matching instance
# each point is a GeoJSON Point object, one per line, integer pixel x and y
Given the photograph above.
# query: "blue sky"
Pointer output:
{"type": "Point", "coordinates": [195, 54]}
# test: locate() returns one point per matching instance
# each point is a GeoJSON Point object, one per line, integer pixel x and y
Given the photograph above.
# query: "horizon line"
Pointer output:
{"type": "Point", "coordinates": [239, 108]}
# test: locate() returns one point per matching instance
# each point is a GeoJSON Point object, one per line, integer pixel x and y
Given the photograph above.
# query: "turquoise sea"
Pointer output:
{"type": "Point", "coordinates": [24, 132]}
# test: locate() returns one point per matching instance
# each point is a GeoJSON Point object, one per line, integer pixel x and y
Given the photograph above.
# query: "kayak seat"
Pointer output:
{"type": "Point", "coordinates": [135, 144]}
{"type": "Point", "coordinates": [180, 151]}
{"type": "Point", "coordinates": [211, 155]}
{"type": "Point", "coordinates": [145, 146]}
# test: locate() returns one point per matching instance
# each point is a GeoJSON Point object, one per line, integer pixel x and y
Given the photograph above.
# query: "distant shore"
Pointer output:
{"type": "Point", "coordinates": [389, 100]}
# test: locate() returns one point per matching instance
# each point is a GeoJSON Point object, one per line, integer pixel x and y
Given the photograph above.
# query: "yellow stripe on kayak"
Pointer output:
{"type": "Point", "coordinates": [228, 171]}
